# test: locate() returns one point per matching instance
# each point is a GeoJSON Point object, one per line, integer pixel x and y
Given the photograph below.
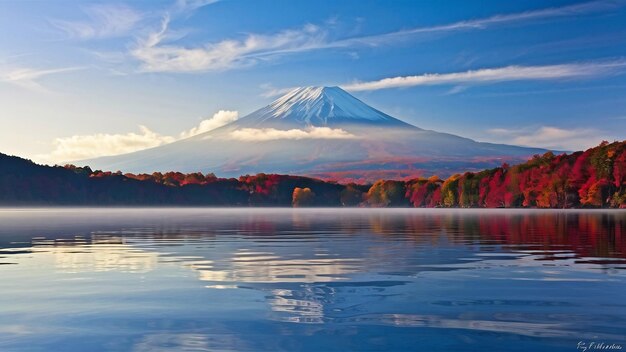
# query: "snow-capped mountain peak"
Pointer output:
{"type": "Point", "coordinates": [321, 106]}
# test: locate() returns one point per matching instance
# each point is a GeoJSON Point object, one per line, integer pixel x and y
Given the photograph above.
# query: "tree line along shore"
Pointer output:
{"type": "Point", "coordinates": [595, 178]}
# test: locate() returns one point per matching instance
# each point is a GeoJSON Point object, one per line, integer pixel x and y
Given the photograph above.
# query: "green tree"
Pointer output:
{"type": "Point", "coordinates": [351, 196]}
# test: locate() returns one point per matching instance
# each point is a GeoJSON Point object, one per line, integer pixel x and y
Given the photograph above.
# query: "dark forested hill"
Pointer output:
{"type": "Point", "coordinates": [593, 178]}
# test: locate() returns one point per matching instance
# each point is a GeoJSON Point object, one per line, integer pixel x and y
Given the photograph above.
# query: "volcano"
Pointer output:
{"type": "Point", "coordinates": [322, 132]}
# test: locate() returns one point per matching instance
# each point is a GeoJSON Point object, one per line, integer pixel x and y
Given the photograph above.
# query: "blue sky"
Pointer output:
{"type": "Point", "coordinates": [78, 78]}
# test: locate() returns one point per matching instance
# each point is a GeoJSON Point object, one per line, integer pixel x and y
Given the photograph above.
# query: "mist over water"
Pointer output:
{"type": "Point", "coordinates": [310, 279]}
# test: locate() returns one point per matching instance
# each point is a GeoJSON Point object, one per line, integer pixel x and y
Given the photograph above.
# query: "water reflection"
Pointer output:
{"type": "Point", "coordinates": [554, 275]}
{"type": "Point", "coordinates": [275, 269]}
{"type": "Point", "coordinates": [188, 342]}
{"type": "Point", "coordinates": [99, 253]}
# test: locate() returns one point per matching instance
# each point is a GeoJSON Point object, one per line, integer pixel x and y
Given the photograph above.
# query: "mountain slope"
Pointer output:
{"type": "Point", "coordinates": [324, 132]}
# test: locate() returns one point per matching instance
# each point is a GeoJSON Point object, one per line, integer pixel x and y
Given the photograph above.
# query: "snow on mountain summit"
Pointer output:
{"type": "Point", "coordinates": [322, 106]}
{"type": "Point", "coordinates": [323, 102]}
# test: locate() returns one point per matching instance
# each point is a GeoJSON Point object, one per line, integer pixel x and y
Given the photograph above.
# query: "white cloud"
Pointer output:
{"type": "Point", "coordinates": [456, 90]}
{"type": "Point", "coordinates": [219, 119]}
{"type": "Point", "coordinates": [268, 134]}
{"type": "Point", "coordinates": [187, 6]}
{"type": "Point", "coordinates": [482, 23]}
{"type": "Point", "coordinates": [156, 56]}
{"type": "Point", "coordinates": [508, 73]}
{"type": "Point", "coordinates": [80, 147]}
{"type": "Point", "coordinates": [105, 21]}
{"type": "Point", "coordinates": [95, 145]}
{"type": "Point", "coordinates": [270, 91]}
{"type": "Point", "coordinates": [27, 77]}
{"type": "Point", "coordinates": [549, 137]}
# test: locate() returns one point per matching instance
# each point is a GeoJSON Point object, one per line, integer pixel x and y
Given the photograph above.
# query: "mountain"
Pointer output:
{"type": "Point", "coordinates": [323, 132]}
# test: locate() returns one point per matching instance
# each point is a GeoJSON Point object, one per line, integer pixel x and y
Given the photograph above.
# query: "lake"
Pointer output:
{"type": "Point", "coordinates": [312, 280]}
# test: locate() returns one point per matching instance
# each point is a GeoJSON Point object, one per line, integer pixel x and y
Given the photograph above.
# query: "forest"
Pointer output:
{"type": "Point", "coordinates": [595, 178]}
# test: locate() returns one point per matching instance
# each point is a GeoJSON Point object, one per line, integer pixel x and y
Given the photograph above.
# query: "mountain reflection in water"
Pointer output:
{"type": "Point", "coordinates": [281, 279]}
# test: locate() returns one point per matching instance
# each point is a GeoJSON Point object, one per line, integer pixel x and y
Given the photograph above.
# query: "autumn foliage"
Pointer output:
{"type": "Point", "coordinates": [593, 178]}
{"type": "Point", "coordinates": [302, 197]}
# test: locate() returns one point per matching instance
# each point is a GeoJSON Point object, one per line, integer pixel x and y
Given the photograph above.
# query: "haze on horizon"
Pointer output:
{"type": "Point", "coordinates": [85, 79]}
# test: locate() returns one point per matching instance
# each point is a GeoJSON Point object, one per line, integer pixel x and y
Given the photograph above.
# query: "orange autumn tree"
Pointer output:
{"type": "Point", "coordinates": [302, 197]}
{"type": "Point", "coordinates": [387, 194]}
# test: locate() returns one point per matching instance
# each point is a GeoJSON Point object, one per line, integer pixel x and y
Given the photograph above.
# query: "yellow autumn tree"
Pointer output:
{"type": "Point", "coordinates": [387, 194]}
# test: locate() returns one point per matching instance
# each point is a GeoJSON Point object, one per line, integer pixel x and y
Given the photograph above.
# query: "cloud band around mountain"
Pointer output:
{"type": "Point", "coordinates": [80, 147]}
{"type": "Point", "coordinates": [268, 134]}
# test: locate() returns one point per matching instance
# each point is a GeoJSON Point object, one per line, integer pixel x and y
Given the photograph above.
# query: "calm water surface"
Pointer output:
{"type": "Point", "coordinates": [311, 280]}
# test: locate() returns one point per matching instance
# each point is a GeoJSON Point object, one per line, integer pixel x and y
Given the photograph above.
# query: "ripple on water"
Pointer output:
{"type": "Point", "coordinates": [214, 279]}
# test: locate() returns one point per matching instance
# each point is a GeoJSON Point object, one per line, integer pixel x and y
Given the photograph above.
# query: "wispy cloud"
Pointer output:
{"type": "Point", "coordinates": [27, 77]}
{"type": "Point", "coordinates": [483, 23]}
{"type": "Point", "coordinates": [456, 90]}
{"type": "Point", "coordinates": [269, 91]}
{"type": "Point", "coordinates": [508, 73]}
{"type": "Point", "coordinates": [157, 56]}
{"type": "Point", "coordinates": [104, 21]}
{"type": "Point", "coordinates": [189, 6]}
{"type": "Point", "coordinates": [269, 134]}
{"type": "Point", "coordinates": [548, 137]}
{"type": "Point", "coordinates": [80, 147]}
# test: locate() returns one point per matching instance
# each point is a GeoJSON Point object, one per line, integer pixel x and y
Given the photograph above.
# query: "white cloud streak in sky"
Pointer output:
{"type": "Point", "coordinates": [508, 73]}
{"type": "Point", "coordinates": [27, 77]}
{"type": "Point", "coordinates": [269, 134]}
{"type": "Point", "coordinates": [105, 21]}
{"type": "Point", "coordinates": [80, 147]}
{"type": "Point", "coordinates": [157, 56]}
{"type": "Point", "coordinates": [189, 6]}
{"type": "Point", "coordinates": [269, 91]}
{"type": "Point", "coordinates": [482, 23]}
